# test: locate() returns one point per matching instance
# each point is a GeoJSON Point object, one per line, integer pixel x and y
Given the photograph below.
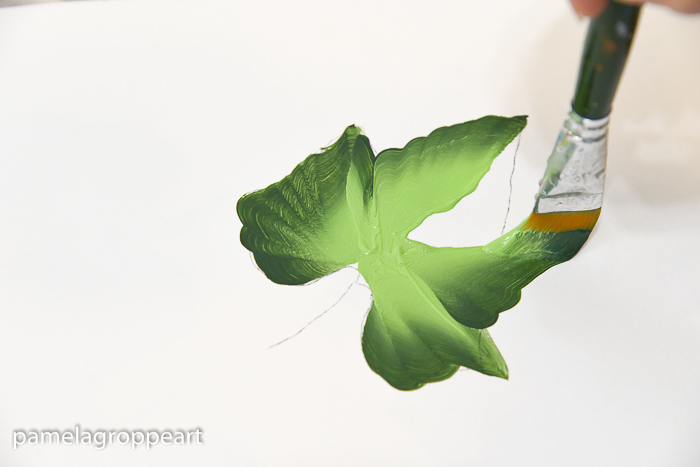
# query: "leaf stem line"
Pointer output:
{"type": "Point", "coordinates": [319, 316]}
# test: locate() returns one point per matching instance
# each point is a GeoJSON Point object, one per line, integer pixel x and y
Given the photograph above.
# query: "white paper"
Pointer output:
{"type": "Point", "coordinates": [128, 131]}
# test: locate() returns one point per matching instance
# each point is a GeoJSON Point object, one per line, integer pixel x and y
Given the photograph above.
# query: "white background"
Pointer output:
{"type": "Point", "coordinates": [128, 130]}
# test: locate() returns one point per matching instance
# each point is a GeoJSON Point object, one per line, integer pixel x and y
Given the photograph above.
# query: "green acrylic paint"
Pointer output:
{"type": "Point", "coordinates": [430, 305]}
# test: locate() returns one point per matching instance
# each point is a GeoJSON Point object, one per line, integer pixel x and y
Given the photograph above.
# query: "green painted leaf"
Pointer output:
{"type": "Point", "coordinates": [430, 306]}
{"type": "Point", "coordinates": [308, 224]}
{"type": "Point", "coordinates": [473, 285]}
{"type": "Point", "coordinates": [410, 340]}
{"type": "Point", "coordinates": [431, 174]}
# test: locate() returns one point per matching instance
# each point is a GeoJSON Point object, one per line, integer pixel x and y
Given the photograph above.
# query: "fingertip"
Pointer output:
{"type": "Point", "coordinates": [589, 7]}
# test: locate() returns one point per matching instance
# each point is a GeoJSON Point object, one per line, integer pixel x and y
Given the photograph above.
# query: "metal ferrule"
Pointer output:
{"type": "Point", "coordinates": [575, 175]}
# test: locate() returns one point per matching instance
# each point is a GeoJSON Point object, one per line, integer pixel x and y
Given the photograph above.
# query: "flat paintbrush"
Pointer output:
{"type": "Point", "coordinates": [568, 203]}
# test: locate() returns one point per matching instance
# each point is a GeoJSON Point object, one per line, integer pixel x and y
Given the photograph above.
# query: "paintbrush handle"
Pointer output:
{"type": "Point", "coordinates": [605, 52]}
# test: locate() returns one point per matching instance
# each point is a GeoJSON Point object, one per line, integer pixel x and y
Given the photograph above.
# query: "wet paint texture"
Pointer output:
{"type": "Point", "coordinates": [430, 305]}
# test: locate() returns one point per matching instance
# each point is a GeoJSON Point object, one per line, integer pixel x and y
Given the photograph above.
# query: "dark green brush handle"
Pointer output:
{"type": "Point", "coordinates": [604, 55]}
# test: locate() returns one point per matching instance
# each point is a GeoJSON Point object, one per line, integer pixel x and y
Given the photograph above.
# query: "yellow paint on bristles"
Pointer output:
{"type": "Point", "coordinates": [562, 221]}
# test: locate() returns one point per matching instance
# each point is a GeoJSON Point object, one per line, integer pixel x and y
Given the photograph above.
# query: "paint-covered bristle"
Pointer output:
{"type": "Point", "coordinates": [562, 221]}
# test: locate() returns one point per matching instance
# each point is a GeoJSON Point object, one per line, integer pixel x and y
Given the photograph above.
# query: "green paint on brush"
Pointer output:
{"type": "Point", "coordinates": [430, 305]}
